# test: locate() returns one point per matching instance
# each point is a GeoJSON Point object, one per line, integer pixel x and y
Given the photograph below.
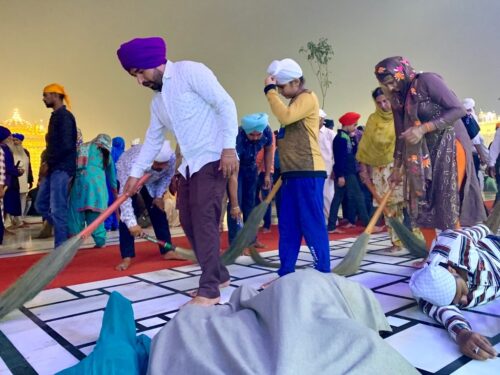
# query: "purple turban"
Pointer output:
{"type": "Point", "coordinates": [4, 133]}
{"type": "Point", "coordinates": [18, 136]}
{"type": "Point", "coordinates": [142, 53]}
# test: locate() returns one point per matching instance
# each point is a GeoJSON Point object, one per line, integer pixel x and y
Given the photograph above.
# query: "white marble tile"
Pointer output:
{"type": "Point", "coordinates": [102, 283]}
{"type": "Point", "coordinates": [389, 268]}
{"type": "Point", "coordinates": [43, 353]}
{"type": "Point", "coordinates": [339, 252]}
{"type": "Point", "coordinates": [159, 305]}
{"type": "Point", "coordinates": [80, 329]}
{"type": "Point", "coordinates": [416, 314]}
{"type": "Point", "coordinates": [152, 332]}
{"type": "Point", "coordinates": [188, 268]}
{"type": "Point", "coordinates": [161, 275]}
{"type": "Point", "coordinates": [383, 258]}
{"type": "Point", "coordinates": [411, 262]}
{"type": "Point", "coordinates": [225, 294]}
{"type": "Point", "coordinates": [373, 280]}
{"type": "Point", "coordinates": [171, 315]}
{"type": "Point", "coordinates": [91, 293]}
{"type": "Point", "coordinates": [399, 289]}
{"type": "Point", "coordinates": [334, 262]}
{"type": "Point", "coordinates": [243, 272]}
{"type": "Point", "coordinates": [63, 309]}
{"type": "Point", "coordinates": [488, 326]}
{"type": "Point", "coordinates": [396, 322]}
{"type": "Point", "coordinates": [87, 349]}
{"type": "Point", "coordinates": [390, 303]}
{"type": "Point", "coordinates": [152, 322]}
{"type": "Point", "coordinates": [139, 291]}
{"type": "Point", "coordinates": [491, 366]}
{"type": "Point", "coordinates": [246, 260]}
{"type": "Point", "coordinates": [492, 307]}
{"type": "Point", "coordinates": [184, 284]}
{"type": "Point", "coordinates": [420, 345]}
{"type": "Point", "coordinates": [50, 296]}
{"type": "Point", "coordinates": [4, 370]}
{"type": "Point", "coordinates": [257, 281]}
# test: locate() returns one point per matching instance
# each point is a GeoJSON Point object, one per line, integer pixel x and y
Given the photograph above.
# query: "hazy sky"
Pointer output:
{"type": "Point", "coordinates": [74, 43]}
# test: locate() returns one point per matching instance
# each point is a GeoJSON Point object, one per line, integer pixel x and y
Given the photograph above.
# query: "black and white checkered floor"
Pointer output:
{"type": "Point", "coordinates": [60, 326]}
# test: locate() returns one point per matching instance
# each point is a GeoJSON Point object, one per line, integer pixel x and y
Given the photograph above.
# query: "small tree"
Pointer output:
{"type": "Point", "coordinates": [319, 55]}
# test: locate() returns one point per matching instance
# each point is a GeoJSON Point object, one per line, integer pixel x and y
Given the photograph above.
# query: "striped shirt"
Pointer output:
{"type": "Point", "coordinates": [476, 251]}
{"type": "Point", "coordinates": [156, 185]}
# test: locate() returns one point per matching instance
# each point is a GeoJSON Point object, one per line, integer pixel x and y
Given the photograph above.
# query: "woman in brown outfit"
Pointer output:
{"type": "Point", "coordinates": [432, 149]}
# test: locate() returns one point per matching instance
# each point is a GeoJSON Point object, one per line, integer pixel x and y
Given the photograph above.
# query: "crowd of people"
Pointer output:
{"type": "Point", "coordinates": [421, 142]}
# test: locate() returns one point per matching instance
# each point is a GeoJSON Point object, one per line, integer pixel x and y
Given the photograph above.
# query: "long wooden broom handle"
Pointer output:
{"type": "Point", "coordinates": [111, 209]}
{"type": "Point", "coordinates": [274, 190]}
{"type": "Point", "coordinates": [377, 197]}
{"type": "Point", "coordinates": [378, 212]}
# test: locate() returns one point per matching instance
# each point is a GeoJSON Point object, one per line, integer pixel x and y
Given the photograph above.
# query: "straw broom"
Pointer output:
{"type": "Point", "coordinates": [185, 253]}
{"type": "Point", "coordinates": [415, 245]}
{"type": "Point", "coordinates": [46, 269]}
{"type": "Point", "coordinates": [247, 234]}
{"type": "Point", "coordinates": [352, 260]}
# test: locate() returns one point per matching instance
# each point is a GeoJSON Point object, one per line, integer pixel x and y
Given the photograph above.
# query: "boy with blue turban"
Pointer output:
{"type": "Point", "coordinates": [254, 135]}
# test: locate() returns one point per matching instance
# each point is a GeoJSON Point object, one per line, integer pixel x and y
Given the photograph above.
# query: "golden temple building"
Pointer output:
{"type": "Point", "coordinates": [34, 138]}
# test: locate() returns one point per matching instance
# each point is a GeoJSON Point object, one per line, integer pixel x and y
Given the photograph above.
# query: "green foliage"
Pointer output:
{"type": "Point", "coordinates": [319, 55]}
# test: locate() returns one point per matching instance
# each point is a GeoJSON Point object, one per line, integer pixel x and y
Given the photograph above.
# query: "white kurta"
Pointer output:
{"type": "Point", "coordinates": [326, 147]}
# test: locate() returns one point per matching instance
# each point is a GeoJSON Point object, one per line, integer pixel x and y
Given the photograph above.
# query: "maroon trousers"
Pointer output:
{"type": "Point", "coordinates": [199, 202]}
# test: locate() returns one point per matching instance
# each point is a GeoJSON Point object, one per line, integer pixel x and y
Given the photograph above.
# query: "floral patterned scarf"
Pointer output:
{"type": "Point", "coordinates": [404, 102]}
{"type": "Point", "coordinates": [102, 140]}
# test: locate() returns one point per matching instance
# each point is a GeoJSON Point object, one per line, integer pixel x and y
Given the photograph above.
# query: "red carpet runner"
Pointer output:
{"type": "Point", "coordinates": [98, 264]}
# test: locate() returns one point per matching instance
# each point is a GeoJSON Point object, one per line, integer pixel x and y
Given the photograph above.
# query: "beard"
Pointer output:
{"type": "Point", "coordinates": [17, 151]}
{"type": "Point", "coordinates": [155, 86]}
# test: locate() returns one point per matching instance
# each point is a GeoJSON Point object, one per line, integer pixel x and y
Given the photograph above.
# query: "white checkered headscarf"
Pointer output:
{"type": "Point", "coordinates": [434, 284]}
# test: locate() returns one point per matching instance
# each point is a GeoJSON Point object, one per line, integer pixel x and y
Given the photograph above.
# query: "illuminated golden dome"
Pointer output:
{"type": "Point", "coordinates": [34, 138]}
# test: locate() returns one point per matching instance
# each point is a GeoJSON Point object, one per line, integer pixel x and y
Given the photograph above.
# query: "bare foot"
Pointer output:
{"type": "Point", "coordinates": [336, 231]}
{"type": "Point", "coordinates": [246, 251]}
{"type": "Point", "coordinates": [124, 264]}
{"type": "Point", "coordinates": [266, 230]}
{"type": "Point", "coordinates": [394, 249]}
{"type": "Point", "coordinates": [377, 229]}
{"type": "Point", "coordinates": [194, 293]}
{"type": "Point", "coordinates": [419, 263]}
{"type": "Point", "coordinates": [349, 226]}
{"type": "Point", "coordinates": [266, 285]}
{"type": "Point", "coordinates": [259, 245]}
{"type": "Point", "coordinates": [172, 255]}
{"type": "Point", "coordinates": [203, 301]}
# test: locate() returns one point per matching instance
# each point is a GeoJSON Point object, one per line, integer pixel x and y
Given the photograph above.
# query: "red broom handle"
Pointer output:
{"type": "Point", "coordinates": [111, 209]}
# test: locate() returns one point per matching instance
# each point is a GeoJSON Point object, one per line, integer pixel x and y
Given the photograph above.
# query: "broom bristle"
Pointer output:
{"type": "Point", "coordinates": [38, 276]}
{"type": "Point", "coordinates": [246, 236]}
{"type": "Point", "coordinates": [257, 258]}
{"type": "Point", "coordinates": [186, 253]}
{"type": "Point", "coordinates": [350, 264]}
{"type": "Point", "coordinates": [493, 221]}
{"type": "Point", "coordinates": [415, 245]}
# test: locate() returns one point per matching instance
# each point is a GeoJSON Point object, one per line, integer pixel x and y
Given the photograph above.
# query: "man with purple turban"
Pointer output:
{"type": "Point", "coordinates": [190, 103]}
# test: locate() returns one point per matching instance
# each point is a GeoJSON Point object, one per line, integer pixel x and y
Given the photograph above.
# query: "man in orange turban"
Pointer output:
{"type": "Point", "coordinates": [52, 198]}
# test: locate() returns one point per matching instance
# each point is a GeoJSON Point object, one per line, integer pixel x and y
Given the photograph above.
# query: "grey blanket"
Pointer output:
{"type": "Point", "coordinates": [304, 323]}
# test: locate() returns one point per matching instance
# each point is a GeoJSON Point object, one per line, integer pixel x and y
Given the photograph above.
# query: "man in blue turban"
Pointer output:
{"type": "Point", "coordinates": [254, 135]}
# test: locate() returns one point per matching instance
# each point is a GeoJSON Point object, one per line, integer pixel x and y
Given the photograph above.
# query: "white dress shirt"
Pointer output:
{"type": "Point", "coordinates": [196, 108]}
